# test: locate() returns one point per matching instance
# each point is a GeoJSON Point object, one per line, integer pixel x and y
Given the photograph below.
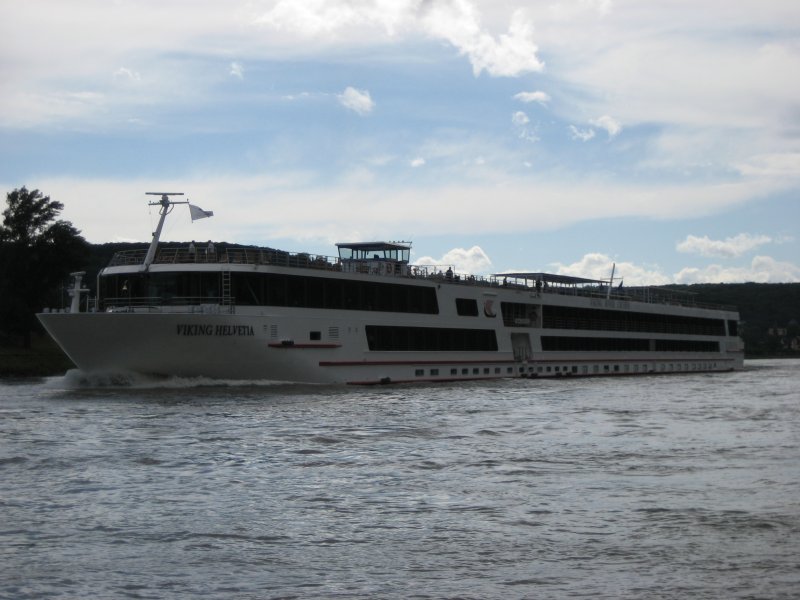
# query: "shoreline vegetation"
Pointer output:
{"type": "Point", "coordinates": [43, 359]}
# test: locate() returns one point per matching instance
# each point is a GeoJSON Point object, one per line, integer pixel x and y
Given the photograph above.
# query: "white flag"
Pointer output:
{"type": "Point", "coordinates": [199, 213]}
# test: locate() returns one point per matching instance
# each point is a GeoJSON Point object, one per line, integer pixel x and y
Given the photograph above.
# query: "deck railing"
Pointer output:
{"type": "Point", "coordinates": [439, 273]}
{"type": "Point", "coordinates": [140, 304]}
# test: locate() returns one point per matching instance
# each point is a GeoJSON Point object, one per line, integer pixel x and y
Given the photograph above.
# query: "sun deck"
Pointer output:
{"type": "Point", "coordinates": [362, 259]}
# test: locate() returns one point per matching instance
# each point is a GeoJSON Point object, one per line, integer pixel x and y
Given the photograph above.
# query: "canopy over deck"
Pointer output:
{"type": "Point", "coordinates": [398, 251]}
{"type": "Point", "coordinates": [550, 278]}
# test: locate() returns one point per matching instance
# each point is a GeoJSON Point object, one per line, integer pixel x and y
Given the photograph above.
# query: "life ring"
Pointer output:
{"type": "Point", "coordinates": [488, 308]}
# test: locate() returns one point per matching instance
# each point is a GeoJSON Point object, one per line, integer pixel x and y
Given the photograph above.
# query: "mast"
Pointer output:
{"type": "Point", "coordinates": [611, 281]}
{"type": "Point", "coordinates": [166, 208]}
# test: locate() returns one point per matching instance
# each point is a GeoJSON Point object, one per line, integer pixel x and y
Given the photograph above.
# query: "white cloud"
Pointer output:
{"type": "Point", "coordinates": [314, 18]}
{"type": "Point", "coordinates": [520, 118]}
{"type": "Point", "coordinates": [123, 73]}
{"type": "Point", "coordinates": [772, 165]}
{"type": "Point", "coordinates": [457, 22]}
{"type": "Point", "coordinates": [236, 70]}
{"type": "Point", "coordinates": [583, 135]}
{"type": "Point", "coordinates": [612, 126]}
{"type": "Point", "coordinates": [762, 269]}
{"type": "Point", "coordinates": [309, 210]}
{"type": "Point", "coordinates": [540, 97]}
{"type": "Point", "coordinates": [598, 266]}
{"type": "Point", "coordinates": [521, 122]}
{"type": "Point", "coordinates": [465, 261]}
{"type": "Point", "coordinates": [359, 101]}
{"type": "Point", "coordinates": [418, 162]}
{"type": "Point", "coordinates": [731, 247]}
{"type": "Point", "coordinates": [510, 55]}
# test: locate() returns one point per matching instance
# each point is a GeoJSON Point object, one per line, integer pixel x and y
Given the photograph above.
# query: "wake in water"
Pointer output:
{"type": "Point", "coordinates": [75, 379]}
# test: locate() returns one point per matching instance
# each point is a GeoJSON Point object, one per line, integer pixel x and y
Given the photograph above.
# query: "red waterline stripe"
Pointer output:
{"type": "Point", "coordinates": [383, 363]}
{"type": "Point", "coordinates": [531, 362]}
{"type": "Point", "coordinates": [302, 346]}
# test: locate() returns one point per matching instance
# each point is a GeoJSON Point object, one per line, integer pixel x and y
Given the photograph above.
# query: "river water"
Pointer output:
{"type": "Point", "coordinates": [684, 486]}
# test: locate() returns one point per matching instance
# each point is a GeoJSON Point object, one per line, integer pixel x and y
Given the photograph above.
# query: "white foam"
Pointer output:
{"type": "Point", "coordinates": [77, 379]}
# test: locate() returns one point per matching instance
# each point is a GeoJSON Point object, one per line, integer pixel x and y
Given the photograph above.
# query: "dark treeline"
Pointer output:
{"type": "Point", "coordinates": [770, 313]}
{"type": "Point", "coordinates": [766, 309]}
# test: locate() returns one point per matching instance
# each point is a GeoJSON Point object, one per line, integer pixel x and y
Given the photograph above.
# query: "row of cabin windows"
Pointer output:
{"type": "Point", "coordinates": [466, 371]}
{"type": "Point", "coordinates": [434, 339]}
{"type": "Point", "coordinates": [574, 370]}
{"type": "Point", "coordinates": [591, 344]}
{"type": "Point", "coordinates": [272, 289]}
{"type": "Point", "coordinates": [565, 317]}
{"type": "Point", "coordinates": [518, 314]}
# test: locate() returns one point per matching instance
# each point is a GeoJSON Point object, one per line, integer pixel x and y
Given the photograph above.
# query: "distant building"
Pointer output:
{"type": "Point", "coordinates": [787, 337]}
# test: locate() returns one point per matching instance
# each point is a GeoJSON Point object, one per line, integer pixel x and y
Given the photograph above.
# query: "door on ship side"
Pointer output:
{"type": "Point", "coordinates": [521, 344]}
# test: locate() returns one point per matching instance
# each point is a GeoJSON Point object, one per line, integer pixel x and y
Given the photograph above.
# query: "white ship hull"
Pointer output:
{"type": "Point", "coordinates": [368, 316]}
{"type": "Point", "coordinates": [275, 343]}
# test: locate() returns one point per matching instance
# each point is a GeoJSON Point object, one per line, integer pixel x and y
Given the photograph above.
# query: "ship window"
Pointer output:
{"type": "Point", "coordinates": [315, 335]}
{"type": "Point", "coordinates": [465, 371]}
{"type": "Point", "coordinates": [467, 307]}
{"type": "Point", "coordinates": [566, 317]}
{"type": "Point", "coordinates": [497, 370]}
{"type": "Point", "coordinates": [519, 315]}
{"type": "Point", "coordinates": [453, 371]}
{"type": "Point", "coordinates": [274, 289]}
{"type": "Point", "coordinates": [434, 371]}
{"type": "Point", "coordinates": [476, 371]}
{"type": "Point", "coordinates": [733, 328]}
{"type": "Point", "coordinates": [686, 346]}
{"type": "Point", "coordinates": [509, 370]}
{"type": "Point", "coordinates": [419, 372]}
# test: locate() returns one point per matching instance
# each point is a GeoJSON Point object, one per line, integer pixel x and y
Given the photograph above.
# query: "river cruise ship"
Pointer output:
{"type": "Point", "coordinates": [368, 316]}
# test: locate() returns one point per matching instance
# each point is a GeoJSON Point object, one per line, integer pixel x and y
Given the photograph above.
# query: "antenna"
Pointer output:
{"type": "Point", "coordinates": [611, 281]}
{"type": "Point", "coordinates": [166, 208]}
{"type": "Point", "coordinates": [164, 197]}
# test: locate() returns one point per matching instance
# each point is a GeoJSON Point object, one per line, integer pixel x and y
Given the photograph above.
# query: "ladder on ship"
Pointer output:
{"type": "Point", "coordinates": [226, 288]}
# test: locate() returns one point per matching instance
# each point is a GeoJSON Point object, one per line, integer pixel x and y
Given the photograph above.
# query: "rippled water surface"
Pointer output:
{"type": "Point", "coordinates": [683, 486]}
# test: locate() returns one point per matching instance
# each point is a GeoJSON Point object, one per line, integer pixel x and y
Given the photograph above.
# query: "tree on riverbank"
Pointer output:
{"type": "Point", "coordinates": [37, 252]}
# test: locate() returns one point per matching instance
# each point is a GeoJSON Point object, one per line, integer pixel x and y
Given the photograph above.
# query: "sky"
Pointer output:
{"type": "Point", "coordinates": [499, 135]}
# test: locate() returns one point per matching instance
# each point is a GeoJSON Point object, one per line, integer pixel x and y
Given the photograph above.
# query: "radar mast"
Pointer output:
{"type": "Point", "coordinates": [166, 207]}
